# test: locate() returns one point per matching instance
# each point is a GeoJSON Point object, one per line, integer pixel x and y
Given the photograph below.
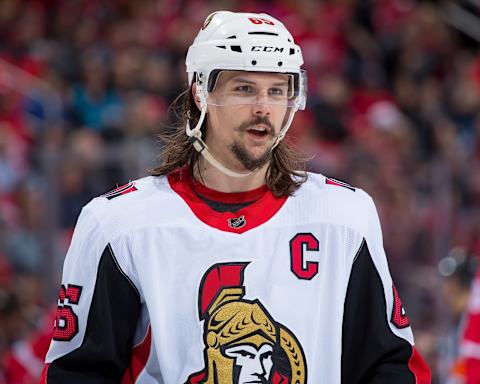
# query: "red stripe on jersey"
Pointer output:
{"type": "Point", "coordinates": [140, 354]}
{"type": "Point", "coordinates": [254, 214]}
{"type": "Point", "coordinates": [337, 183]}
{"type": "Point", "coordinates": [419, 368]}
{"type": "Point", "coordinates": [331, 182]}
{"type": "Point", "coordinates": [119, 191]}
{"type": "Point", "coordinates": [43, 377]}
{"type": "Point", "coordinates": [128, 190]}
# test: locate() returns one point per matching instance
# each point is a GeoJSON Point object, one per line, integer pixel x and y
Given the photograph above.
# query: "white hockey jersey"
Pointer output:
{"type": "Point", "coordinates": [160, 288]}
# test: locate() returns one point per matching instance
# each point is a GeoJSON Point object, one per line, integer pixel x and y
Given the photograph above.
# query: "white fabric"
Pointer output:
{"type": "Point", "coordinates": [165, 250]}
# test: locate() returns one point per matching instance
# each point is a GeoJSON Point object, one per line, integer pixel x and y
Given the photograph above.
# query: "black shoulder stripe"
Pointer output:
{"type": "Point", "coordinates": [370, 350]}
{"type": "Point", "coordinates": [121, 271]}
{"type": "Point", "coordinates": [105, 351]}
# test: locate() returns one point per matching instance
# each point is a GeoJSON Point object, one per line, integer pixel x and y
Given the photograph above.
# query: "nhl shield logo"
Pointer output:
{"type": "Point", "coordinates": [237, 222]}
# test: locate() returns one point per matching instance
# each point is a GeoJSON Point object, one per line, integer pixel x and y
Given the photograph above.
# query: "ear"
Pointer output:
{"type": "Point", "coordinates": [195, 96]}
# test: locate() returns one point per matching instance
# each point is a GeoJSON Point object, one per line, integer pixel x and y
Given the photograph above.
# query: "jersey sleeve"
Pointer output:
{"type": "Point", "coordinates": [377, 341]}
{"type": "Point", "coordinates": [98, 309]}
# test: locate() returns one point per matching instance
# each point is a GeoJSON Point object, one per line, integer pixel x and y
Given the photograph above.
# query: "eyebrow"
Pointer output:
{"type": "Point", "coordinates": [243, 80]}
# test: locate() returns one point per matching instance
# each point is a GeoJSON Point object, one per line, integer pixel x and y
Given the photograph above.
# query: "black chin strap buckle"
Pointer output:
{"type": "Point", "coordinates": [197, 143]}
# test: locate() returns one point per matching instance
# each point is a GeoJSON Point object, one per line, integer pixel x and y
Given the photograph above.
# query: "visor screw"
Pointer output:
{"type": "Point", "coordinates": [254, 62]}
{"type": "Point", "coordinates": [280, 63]}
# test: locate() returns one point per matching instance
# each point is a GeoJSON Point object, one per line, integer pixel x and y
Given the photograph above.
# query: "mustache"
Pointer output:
{"type": "Point", "coordinates": [260, 120]}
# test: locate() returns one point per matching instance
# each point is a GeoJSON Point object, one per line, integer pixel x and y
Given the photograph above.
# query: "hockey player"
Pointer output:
{"type": "Point", "coordinates": [229, 264]}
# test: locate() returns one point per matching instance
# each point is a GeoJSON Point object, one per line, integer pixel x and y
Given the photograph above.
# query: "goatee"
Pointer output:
{"type": "Point", "coordinates": [241, 153]}
{"type": "Point", "coordinates": [250, 163]}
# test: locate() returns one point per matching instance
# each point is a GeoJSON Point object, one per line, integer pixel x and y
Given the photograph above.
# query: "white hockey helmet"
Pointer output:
{"type": "Point", "coordinates": [242, 42]}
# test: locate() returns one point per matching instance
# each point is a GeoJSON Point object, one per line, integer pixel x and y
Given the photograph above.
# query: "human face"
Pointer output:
{"type": "Point", "coordinates": [255, 364]}
{"type": "Point", "coordinates": [241, 135]}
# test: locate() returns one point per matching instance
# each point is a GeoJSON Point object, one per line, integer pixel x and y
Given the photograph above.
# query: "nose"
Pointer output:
{"type": "Point", "coordinates": [257, 367]}
{"type": "Point", "coordinates": [262, 106]}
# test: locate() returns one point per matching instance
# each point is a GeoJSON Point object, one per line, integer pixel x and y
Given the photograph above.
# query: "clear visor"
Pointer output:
{"type": "Point", "coordinates": [237, 88]}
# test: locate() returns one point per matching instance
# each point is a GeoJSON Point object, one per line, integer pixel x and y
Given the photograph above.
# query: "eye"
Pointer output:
{"type": "Point", "coordinates": [246, 89]}
{"type": "Point", "coordinates": [276, 91]}
{"type": "Point", "coordinates": [266, 355]}
{"type": "Point", "coordinates": [247, 354]}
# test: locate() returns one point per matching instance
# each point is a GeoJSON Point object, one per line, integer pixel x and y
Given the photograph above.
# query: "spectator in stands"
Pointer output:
{"type": "Point", "coordinates": [457, 271]}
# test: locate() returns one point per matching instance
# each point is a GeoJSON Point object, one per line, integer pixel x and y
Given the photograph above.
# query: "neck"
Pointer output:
{"type": "Point", "coordinates": [214, 179]}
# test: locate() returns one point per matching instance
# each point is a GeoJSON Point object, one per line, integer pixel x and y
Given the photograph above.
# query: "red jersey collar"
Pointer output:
{"type": "Point", "coordinates": [249, 217]}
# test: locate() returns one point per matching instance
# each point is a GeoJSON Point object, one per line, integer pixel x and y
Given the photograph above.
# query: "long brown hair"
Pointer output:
{"type": "Point", "coordinates": [285, 173]}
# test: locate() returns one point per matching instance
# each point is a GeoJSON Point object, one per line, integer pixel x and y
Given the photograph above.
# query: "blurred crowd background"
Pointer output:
{"type": "Point", "coordinates": [393, 108]}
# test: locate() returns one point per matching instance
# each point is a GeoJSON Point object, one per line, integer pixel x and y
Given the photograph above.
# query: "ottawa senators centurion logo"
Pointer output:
{"type": "Point", "coordinates": [243, 343]}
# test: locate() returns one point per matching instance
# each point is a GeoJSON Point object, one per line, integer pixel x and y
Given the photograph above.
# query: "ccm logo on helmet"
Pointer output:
{"type": "Point", "coordinates": [259, 48]}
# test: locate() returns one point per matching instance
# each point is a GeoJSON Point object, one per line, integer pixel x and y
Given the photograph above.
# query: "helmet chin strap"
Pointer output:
{"type": "Point", "coordinates": [285, 128]}
{"type": "Point", "coordinates": [195, 135]}
{"type": "Point", "coordinates": [200, 146]}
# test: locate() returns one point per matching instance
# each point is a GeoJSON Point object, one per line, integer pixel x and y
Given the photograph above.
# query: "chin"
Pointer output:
{"type": "Point", "coordinates": [251, 160]}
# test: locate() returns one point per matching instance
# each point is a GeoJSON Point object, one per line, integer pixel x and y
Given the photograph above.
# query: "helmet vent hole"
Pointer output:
{"type": "Point", "coordinates": [236, 48]}
{"type": "Point", "coordinates": [254, 62]}
{"type": "Point", "coordinates": [280, 63]}
{"type": "Point", "coordinates": [221, 46]}
{"type": "Point", "coordinates": [232, 37]}
{"type": "Point", "coordinates": [292, 51]}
